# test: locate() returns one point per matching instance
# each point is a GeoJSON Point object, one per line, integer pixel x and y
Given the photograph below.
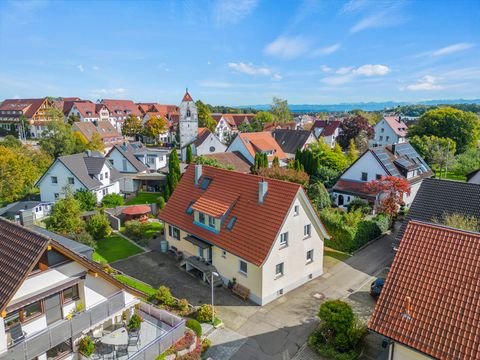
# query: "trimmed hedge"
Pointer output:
{"type": "Point", "coordinates": [195, 326]}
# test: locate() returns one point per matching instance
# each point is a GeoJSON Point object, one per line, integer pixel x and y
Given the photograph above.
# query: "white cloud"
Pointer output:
{"type": "Point", "coordinates": [348, 73]}
{"type": "Point", "coordinates": [355, 5]}
{"type": "Point", "coordinates": [287, 47]}
{"type": "Point", "coordinates": [388, 14]}
{"type": "Point", "coordinates": [95, 67]}
{"type": "Point", "coordinates": [326, 69]}
{"type": "Point", "coordinates": [328, 49]}
{"type": "Point", "coordinates": [344, 70]}
{"type": "Point", "coordinates": [81, 68]}
{"type": "Point", "coordinates": [372, 70]}
{"type": "Point", "coordinates": [426, 83]}
{"type": "Point", "coordinates": [453, 49]}
{"type": "Point", "coordinates": [232, 11]}
{"type": "Point", "coordinates": [103, 92]}
{"type": "Point", "coordinates": [277, 77]}
{"type": "Point", "coordinates": [254, 70]}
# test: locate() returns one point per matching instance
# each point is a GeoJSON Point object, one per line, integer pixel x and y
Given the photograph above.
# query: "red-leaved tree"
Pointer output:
{"type": "Point", "coordinates": [391, 190]}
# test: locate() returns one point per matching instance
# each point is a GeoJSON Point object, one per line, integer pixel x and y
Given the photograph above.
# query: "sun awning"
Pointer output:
{"type": "Point", "coordinates": [197, 242]}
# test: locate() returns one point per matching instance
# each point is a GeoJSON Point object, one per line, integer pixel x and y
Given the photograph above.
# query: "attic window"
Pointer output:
{"type": "Point", "coordinates": [189, 208]}
{"type": "Point", "coordinates": [205, 182]}
{"type": "Point", "coordinates": [231, 223]}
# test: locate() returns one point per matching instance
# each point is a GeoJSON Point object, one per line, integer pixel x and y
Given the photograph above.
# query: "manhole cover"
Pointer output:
{"type": "Point", "coordinates": [319, 296]}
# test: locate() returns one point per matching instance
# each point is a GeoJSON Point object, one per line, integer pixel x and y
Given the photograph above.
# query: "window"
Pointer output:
{"type": "Point", "coordinates": [60, 350]}
{"type": "Point", "coordinates": [231, 223]}
{"type": "Point", "coordinates": [189, 208]}
{"type": "Point", "coordinates": [104, 192]}
{"type": "Point", "coordinates": [54, 180]}
{"type": "Point", "coordinates": [70, 294]}
{"type": "Point", "coordinates": [381, 138]}
{"type": "Point", "coordinates": [174, 232]}
{"type": "Point", "coordinates": [309, 256]}
{"type": "Point", "coordinates": [205, 182]}
{"type": "Point", "coordinates": [201, 218]}
{"type": "Point", "coordinates": [56, 196]}
{"type": "Point", "coordinates": [307, 230]}
{"type": "Point", "coordinates": [12, 319]}
{"type": "Point", "coordinates": [224, 254]}
{"type": "Point", "coordinates": [243, 267]}
{"type": "Point", "coordinates": [106, 175]}
{"type": "Point", "coordinates": [279, 270]}
{"type": "Point", "coordinates": [111, 161]}
{"type": "Point", "coordinates": [101, 176]}
{"type": "Point", "coordinates": [296, 210]}
{"type": "Point", "coordinates": [284, 239]}
{"type": "Point", "coordinates": [189, 113]}
{"type": "Point", "coordinates": [31, 311]}
{"type": "Point", "coordinates": [378, 176]}
{"type": "Point", "coordinates": [364, 176]}
{"type": "Point", "coordinates": [387, 138]}
{"type": "Point", "coordinates": [211, 222]}
{"type": "Point", "coordinates": [71, 180]}
{"type": "Point", "coordinates": [124, 164]}
{"type": "Point", "coordinates": [280, 292]}
{"type": "Point", "coordinates": [382, 130]}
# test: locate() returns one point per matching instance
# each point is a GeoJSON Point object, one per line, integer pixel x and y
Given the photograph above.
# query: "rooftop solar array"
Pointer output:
{"type": "Point", "coordinates": [407, 150]}
{"type": "Point", "coordinates": [386, 161]}
{"type": "Point", "coordinates": [407, 164]}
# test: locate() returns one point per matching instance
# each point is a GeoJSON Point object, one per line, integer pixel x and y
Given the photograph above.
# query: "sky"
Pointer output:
{"type": "Point", "coordinates": [241, 52]}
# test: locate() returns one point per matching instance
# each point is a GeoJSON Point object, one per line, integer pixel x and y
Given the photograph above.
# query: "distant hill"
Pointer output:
{"type": "Point", "coordinates": [366, 106]}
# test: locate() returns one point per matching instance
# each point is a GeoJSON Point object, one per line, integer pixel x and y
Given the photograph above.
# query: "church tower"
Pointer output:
{"type": "Point", "coordinates": [188, 121]}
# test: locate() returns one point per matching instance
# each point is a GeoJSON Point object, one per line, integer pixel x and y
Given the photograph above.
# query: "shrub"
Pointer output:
{"type": "Point", "coordinates": [366, 231]}
{"type": "Point", "coordinates": [135, 230]}
{"type": "Point", "coordinates": [83, 237]}
{"type": "Point", "coordinates": [185, 342]}
{"type": "Point", "coordinates": [98, 226]}
{"type": "Point", "coordinates": [318, 195]}
{"type": "Point", "coordinates": [206, 343]}
{"type": "Point", "coordinates": [195, 326]}
{"type": "Point", "coordinates": [204, 314]}
{"type": "Point", "coordinates": [112, 200]}
{"type": "Point", "coordinates": [86, 198]}
{"type": "Point", "coordinates": [134, 323]}
{"type": "Point", "coordinates": [383, 222]}
{"type": "Point", "coordinates": [182, 305]}
{"type": "Point", "coordinates": [86, 346]}
{"type": "Point", "coordinates": [359, 204]}
{"type": "Point", "coordinates": [160, 202]}
{"type": "Point", "coordinates": [164, 296]}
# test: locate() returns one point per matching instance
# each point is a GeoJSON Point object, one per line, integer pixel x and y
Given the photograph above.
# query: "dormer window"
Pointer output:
{"type": "Point", "coordinates": [201, 218]}
{"type": "Point", "coordinates": [205, 182]}
{"type": "Point", "coordinates": [211, 222]}
{"type": "Point", "coordinates": [189, 208]}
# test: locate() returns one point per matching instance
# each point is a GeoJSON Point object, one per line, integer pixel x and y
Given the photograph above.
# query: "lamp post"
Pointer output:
{"type": "Point", "coordinates": [213, 308]}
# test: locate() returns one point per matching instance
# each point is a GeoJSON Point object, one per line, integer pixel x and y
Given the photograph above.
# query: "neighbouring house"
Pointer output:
{"type": "Point", "coordinates": [303, 120]}
{"type": "Point", "coordinates": [399, 160]}
{"type": "Point", "coordinates": [232, 159]}
{"type": "Point", "coordinates": [205, 143]}
{"type": "Point", "coordinates": [167, 136]}
{"type": "Point", "coordinates": [291, 125]}
{"type": "Point", "coordinates": [436, 198]}
{"type": "Point", "coordinates": [261, 234]}
{"type": "Point", "coordinates": [119, 110]}
{"type": "Point", "coordinates": [389, 130]}
{"type": "Point", "coordinates": [165, 110]}
{"type": "Point", "coordinates": [26, 212]}
{"type": "Point", "coordinates": [292, 140]}
{"type": "Point", "coordinates": [474, 177]}
{"type": "Point", "coordinates": [35, 112]}
{"type": "Point", "coordinates": [429, 305]}
{"type": "Point", "coordinates": [328, 130]}
{"type": "Point", "coordinates": [249, 144]}
{"type": "Point", "coordinates": [138, 166]}
{"type": "Point", "coordinates": [87, 111]}
{"type": "Point", "coordinates": [227, 125]}
{"type": "Point", "coordinates": [109, 135]}
{"type": "Point", "coordinates": [51, 297]}
{"type": "Point", "coordinates": [84, 171]}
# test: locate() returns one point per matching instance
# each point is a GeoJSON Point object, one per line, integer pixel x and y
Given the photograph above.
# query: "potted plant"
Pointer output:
{"type": "Point", "coordinates": [134, 323]}
{"type": "Point", "coordinates": [86, 347]}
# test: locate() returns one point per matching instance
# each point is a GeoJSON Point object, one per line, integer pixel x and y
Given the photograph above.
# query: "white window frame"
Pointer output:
{"type": "Point", "coordinates": [284, 239]}
{"type": "Point", "coordinates": [296, 210]}
{"type": "Point", "coordinates": [307, 231]}
{"type": "Point", "coordinates": [281, 267]}
{"type": "Point", "coordinates": [308, 261]}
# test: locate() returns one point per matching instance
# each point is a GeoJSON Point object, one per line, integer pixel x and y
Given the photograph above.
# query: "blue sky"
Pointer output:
{"type": "Point", "coordinates": [242, 51]}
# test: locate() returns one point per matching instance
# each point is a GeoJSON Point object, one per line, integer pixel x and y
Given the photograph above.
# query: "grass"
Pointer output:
{"type": "Point", "coordinates": [114, 248]}
{"type": "Point", "coordinates": [144, 198]}
{"type": "Point", "coordinates": [338, 255]}
{"type": "Point", "coordinates": [450, 175]}
{"type": "Point", "coordinates": [152, 229]}
{"type": "Point", "coordinates": [141, 286]}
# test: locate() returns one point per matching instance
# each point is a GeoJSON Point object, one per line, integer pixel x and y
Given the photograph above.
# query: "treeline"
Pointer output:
{"type": "Point", "coordinates": [419, 110]}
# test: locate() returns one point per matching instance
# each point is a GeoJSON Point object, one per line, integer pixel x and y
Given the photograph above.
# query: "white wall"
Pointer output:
{"type": "Point", "coordinates": [380, 138]}
{"type": "Point", "coordinates": [97, 290]}
{"type": "Point", "coordinates": [118, 158]}
{"type": "Point", "coordinates": [48, 189]}
{"type": "Point", "coordinates": [3, 338]}
{"type": "Point", "coordinates": [238, 145]}
{"type": "Point", "coordinates": [212, 142]}
{"type": "Point", "coordinates": [400, 352]}
{"type": "Point", "coordinates": [367, 163]}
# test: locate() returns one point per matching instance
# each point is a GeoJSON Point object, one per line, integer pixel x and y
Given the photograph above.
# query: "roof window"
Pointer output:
{"type": "Point", "coordinates": [189, 208]}
{"type": "Point", "coordinates": [232, 222]}
{"type": "Point", "coordinates": [205, 182]}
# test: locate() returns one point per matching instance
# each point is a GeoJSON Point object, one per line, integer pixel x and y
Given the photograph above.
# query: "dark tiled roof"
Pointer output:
{"type": "Point", "coordinates": [128, 152]}
{"type": "Point", "coordinates": [431, 298]}
{"type": "Point", "coordinates": [203, 134]}
{"type": "Point", "coordinates": [94, 164]}
{"type": "Point", "coordinates": [328, 126]}
{"type": "Point", "coordinates": [436, 197]}
{"type": "Point", "coordinates": [291, 140]}
{"type": "Point", "coordinates": [235, 159]}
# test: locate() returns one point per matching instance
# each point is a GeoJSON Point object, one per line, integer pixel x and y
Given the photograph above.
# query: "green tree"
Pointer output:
{"type": "Point", "coordinates": [276, 162]}
{"type": "Point", "coordinates": [459, 221]}
{"type": "Point", "coordinates": [352, 152]}
{"type": "Point", "coordinates": [83, 237]}
{"type": "Point", "coordinates": [467, 162]}
{"type": "Point", "coordinates": [98, 226]}
{"type": "Point", "coordinates": [86, 199]}
{"type": "Point", "coordinates": [318, 195]}
{"type": "Point", "coordinates": [460, 126]}
{"type": "Point", "coordinates": [285, 174]}
{"type": "Point", "coordinates": [204, 117]}
{"type": "Point", "coordinates": [154, 127]}
{"type": "Point", "coordinates": [260, 119]}
{"type": "Point", "coordinates": [245, 127]}
{"type": "Point", "coordinates": [280, 110]}
{"type": "Point", "coordinates": [96, 143]}
{"type": "Point", "coordinates": [112, 200]}
{"type": "Point", "coordinates": [173, 176]}
{"type": "Point", "coordinates": [132, 126]}
{"type": "Point", "coordinates": [161, 202]}
{"type": "Point", "coordinates": [189, 159]}
{"type": "Point", "coordinates": [58, 139]}
{"type": "Point", "coordinates": [65, 217]}
{"type": "Point", "coordinates": [81, 143]}
{"type": "Point", "coordinates": [73, 119]}
{"type": "Point", "coordinates": [434, 150]}
{"type": "Point", "coordinates": [11, 142]}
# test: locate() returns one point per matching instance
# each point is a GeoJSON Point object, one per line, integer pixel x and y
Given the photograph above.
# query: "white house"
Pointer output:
{"type": "Point", "coordinates": [84, 171]}
{"type": "Point", "coordinates": [261, 234]}
{"type": "Point", "coordinates": [206, 143]}
{"type": "Point", "coordinates": [399, 160]}
{"type": "Point", "coordinates": [227, 124]}
{"type": "Point", "coordinates": [119, 110]}
{"type": "Point", "coordinates": [53, 296]}
{"type": "Point", "coordinates": [389, 130]}
{"type": "Point", "coordinates": [87, 111]}
{"type": "Point", "coordinates": [328, 130]}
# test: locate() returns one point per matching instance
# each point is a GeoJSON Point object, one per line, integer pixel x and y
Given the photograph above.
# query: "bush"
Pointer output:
{"type": "Point", "coordinates": [182, 305]}
{"type": "Point", "coordinates": [160, 202]}
{"type": "Point", "coordinates": [383, 222]}
{"type": "Point", "coordinates": [366, 231]}
{"type": "Point", "coordinates": [112, 200]}
{"type": "Point", "coordinates": [359, 204]}
{"type": "Point", "coordinates": [83, 237]}
{"type": "Point", "coordinates": [318, 195]}
{"type": "Point", "coordinates": [86, 346]}
{"type": "Point", "coordinates": [135, 230]}
{"type": "Point", "coordinates": [327, 176]}
{"type": "Point", "coordinates": [206, 344]}
{"type": "Point", "coordinates": [164, 296]}
{"type": "Point", "coordinates": [185, 342]}
{"type": "Point", "coordinates": [98, 226]}
{"type": "Point", "coordinates": [134, 323]}
{"type": "Point", "coordinates": [86, 198]}
{"type": "Point", "coordinates": [195, 326]}
{"type": "Point", "coordinates": [204, 314]}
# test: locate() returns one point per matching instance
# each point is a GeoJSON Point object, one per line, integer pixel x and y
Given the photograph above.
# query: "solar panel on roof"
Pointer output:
{"type": "Point", "coordinates": [386, 162]}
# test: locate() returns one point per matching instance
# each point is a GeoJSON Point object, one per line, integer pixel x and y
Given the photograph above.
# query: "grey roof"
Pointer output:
{"type": "Point", "coordinates": [436, 197]}
{"type": "Point", "coordinates": [128, 152]}
{"type": "Point", "coordinates": [94, 164]}
{"type": "Point", "coordinates": [84, 166]}
{"type": "Point", "coordinates": [19, 205]}
{"type": "Point", "coordinates": [291, 140]}
{"type": "Point", "coordinates": [472, 174]}
{"type": "Point", "coordinates": [73, 245]}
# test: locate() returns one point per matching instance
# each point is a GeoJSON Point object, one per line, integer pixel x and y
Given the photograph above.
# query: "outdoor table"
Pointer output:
{"type": "Point", "coordinates": [115, 338]}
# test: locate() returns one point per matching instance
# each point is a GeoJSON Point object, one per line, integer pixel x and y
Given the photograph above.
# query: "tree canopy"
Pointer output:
{"type": "Point", "coordinates": [204, 117]}
{"type": "Point", "coordinates": [132, 126]}
{"type": "Point", "coordinates": [392, 190]}
{"type": "Point", "coordinates": [356, 127]}
{"type": "Point", "coordinates": [65, 217]}
{"type": "Point", "coordinates": [155, 126]}
{"type": "Point", "coordinates": [280, 110]}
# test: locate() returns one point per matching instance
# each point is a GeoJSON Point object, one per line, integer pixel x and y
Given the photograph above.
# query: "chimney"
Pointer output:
{"type": "Point", "coordinates": [408, 307]}
{"type": "Point", "coordinates": [198, 173]}
{"type": "Point", "coordinates": [393, 149]}
{"type": "Point", "coordinates": [262, 191]}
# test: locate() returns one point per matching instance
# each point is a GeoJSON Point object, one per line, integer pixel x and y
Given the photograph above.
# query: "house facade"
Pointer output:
{"type": "Point", "coordinates": [87, 111]}
{"type": "Point", "coordinates": [206, 143]}
{"type": "Point", "coordinates": [119, 110]}
{"type": "Point", "coordinates": [84, 171]}
{"type": "Point", "coordinates": [188, 121]}
{"type": "Point", "coordinates": [474, 177]}
{"type": "Point", "coordinates": [328, 130]}
{"type": "Point", "coordinates": [399, 160]}
{"type": "Point", "coordinates": [212, 219]}
{"type": "Point", "coordinates": [104, 129]}
{"type": "Point", "coordinates": [389, 130]}
{"type": "Point", "coordinates": [227, 125]}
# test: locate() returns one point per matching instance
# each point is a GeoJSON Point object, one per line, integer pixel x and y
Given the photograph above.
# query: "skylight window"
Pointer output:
{"type": "Point", "coordinates": [189, 208]}
{"type": "Point", "coordinates": [205, 182]}
{"type": "Point", "coordinates": [231, 223]}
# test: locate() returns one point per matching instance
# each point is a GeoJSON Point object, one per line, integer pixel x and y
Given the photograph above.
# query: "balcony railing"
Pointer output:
{"type": "Point", "coordinates": [39, 343]}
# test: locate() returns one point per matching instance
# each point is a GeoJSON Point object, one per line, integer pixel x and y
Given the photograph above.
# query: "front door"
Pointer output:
{"type": "Point", "coordinates": [53, 309]}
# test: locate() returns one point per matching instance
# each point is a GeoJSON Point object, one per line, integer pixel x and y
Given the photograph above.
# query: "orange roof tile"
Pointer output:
{"type": "Point", "coordinates": [187, 97]}
{"type": "Point", "coordinates": [262, 141]}
{"type": "Point", "coordinates": [438, 268]}
{"type": "Point", "coordinates": [215, 201]}
{"type": "Point", "coordinates": [252, 236]}
{"type": "Point", "coordinates": [397, 125]}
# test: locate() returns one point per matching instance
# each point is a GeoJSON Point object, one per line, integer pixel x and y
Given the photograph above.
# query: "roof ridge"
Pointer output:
{"type": "Point", "coordinates": [442, 226]}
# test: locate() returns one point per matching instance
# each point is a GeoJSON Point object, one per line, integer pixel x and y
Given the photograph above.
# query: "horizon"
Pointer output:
{"type": "Point", "coordinates": [236, 53]}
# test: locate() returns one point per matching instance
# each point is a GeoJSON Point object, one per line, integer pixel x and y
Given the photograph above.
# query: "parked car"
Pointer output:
{"type": "Point", "coordinates": [376, 287]}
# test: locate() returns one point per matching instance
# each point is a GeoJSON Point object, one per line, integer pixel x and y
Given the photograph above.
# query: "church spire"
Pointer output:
{"type": "Point", "coordinates": [187, 96]}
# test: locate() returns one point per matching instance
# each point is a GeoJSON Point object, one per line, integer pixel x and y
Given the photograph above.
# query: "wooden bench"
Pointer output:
{"type": "Point", "coordinates": [241, 291]}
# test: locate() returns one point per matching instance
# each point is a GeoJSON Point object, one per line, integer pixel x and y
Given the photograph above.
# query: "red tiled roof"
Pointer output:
{"type": "Point", "coordinates": [137, 210]}
{"type": "Point", "coordinates": [329, 127]}
{"type": "Point", "coordinates": [235, 159]}
{"type": "Point", "coordinates": [122, 105]}
{"type": "Point", "coordinates": [159, 108]}
{"type": "Point", "coordinates": [86, 108]}
{"type": "Point", "coordinates": [252, 236]}
{"type": "Point", "coordinates": [187, 97]}
{"type": "Point", "coordinates": [399, 127]}
{"type": "Point", "coordinates": [215, 201]}
{"type": "Point", "coordinates": [292, 125]}
{"type": "Point", "coordinates": [438, 268]}
{"type": "Point", "coordinates": [354, 187]}
{"type": "Point", "coordinates": [28, 106]}
{"type": "Point", "coordinates": [262, 141]}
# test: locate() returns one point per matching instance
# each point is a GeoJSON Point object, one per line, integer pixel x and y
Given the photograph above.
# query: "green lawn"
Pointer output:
{"type": "Point", "coordinates": [114, 248]}
{"type": "Point", "coordinates": [152, 229]}
{"type": "Point", "coordinates": [144, 198]}
{"type": "Point", "coordinates": [332, 257]}
{"type": "Point", "coordinates": [143, 287]}
{"type": "Point", "coordinates": [450, 175]}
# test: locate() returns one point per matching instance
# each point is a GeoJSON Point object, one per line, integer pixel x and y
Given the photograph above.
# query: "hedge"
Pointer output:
{"type": "Point", "coordinates": [195, 326]}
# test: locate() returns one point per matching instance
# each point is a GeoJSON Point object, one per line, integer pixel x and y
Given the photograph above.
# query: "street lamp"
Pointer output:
{"type": "Point", "coordinates": [213, 308]}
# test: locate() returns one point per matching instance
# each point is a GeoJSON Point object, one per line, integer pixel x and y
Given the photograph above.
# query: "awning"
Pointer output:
{"type": "Point", "coordinates": [196, 241]}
